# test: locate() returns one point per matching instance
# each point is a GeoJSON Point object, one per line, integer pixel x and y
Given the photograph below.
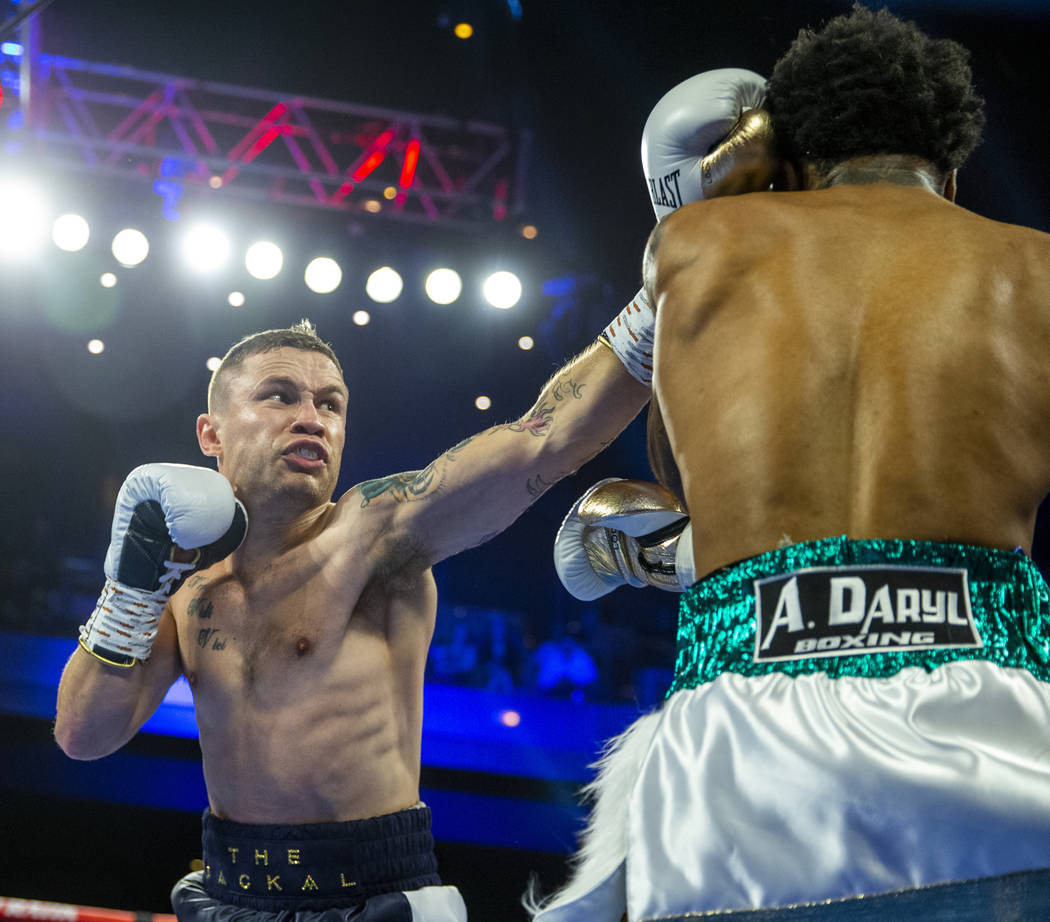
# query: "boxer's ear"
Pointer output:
{"type": "Point", "coordinates": [208, 436]}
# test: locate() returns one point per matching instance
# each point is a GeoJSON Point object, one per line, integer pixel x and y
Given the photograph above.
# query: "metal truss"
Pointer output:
{"type": "Point", "coordinates": [191, 136]}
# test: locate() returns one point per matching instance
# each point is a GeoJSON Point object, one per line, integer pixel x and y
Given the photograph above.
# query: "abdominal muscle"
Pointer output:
{"type": "Point", "coordinates": [318, 724]}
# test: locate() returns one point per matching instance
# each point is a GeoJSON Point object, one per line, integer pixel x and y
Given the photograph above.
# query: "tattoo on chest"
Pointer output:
{"type": "Point", "coordinates": [210, 635]}
{"type": "Point", "coordinates": [200, 607]}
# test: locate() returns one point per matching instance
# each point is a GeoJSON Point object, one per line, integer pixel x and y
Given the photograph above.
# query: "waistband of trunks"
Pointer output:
{"type": "Point", "coordinates": [892, 603]}
{"type": "Point", "coordinates": [317, 865]}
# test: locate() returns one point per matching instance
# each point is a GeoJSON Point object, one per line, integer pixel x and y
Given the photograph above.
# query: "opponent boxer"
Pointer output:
{"type": "Point", "coordinates": [304, 635]}
{"type": "Point", "coordinates": [851, 378]}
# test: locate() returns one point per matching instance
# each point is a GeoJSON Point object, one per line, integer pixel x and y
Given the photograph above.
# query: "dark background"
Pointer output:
{"type": "Point", "coordinates": [575, 80]}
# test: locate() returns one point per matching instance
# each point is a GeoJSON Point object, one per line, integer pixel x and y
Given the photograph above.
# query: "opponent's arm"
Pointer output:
{"type": "Point", "coordinates": [127, 656]}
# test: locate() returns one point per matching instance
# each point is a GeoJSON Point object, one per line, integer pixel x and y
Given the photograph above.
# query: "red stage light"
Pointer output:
{"type": "Point", "coordinates": [408, 170]}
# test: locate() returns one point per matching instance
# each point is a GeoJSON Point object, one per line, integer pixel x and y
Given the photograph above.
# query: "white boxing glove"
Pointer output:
{"type": "Point", "coordinates": [160, 509]}
{"type": "Point", "coordinates": [705, 138]}
{"type": "Point", "coordinates": [624, 533]}
{"type": "Point", "coordinates": [708, 136]}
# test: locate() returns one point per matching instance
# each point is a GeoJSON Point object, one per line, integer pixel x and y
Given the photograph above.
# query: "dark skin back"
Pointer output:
{"type": "Point", "coordinates": [866, 359]}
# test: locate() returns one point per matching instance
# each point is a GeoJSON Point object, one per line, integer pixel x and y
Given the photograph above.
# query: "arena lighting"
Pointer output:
{"type": "Point", "coordinates": [235, 299]}
{"type": "Point", "coordinates": [463, 30]}
{"type": "Point", "coordinates": [107, 280]}
{"type": "Point", "coordinates": [263, 259]}
{"type": "Point", "coordinates": [205, 248]}
{"type": "Point", "coordinates": [362, 318]}
{"type": "Point", "coordinates": [96, 346]}
{"type": "Point", "coordinates": [22, 221]}
{"type": "Point", "coordinates": [323, 275]}
{"type": "Point", "coordinates": [482, 402]}
{"type": "Point", "coordinates": [70, 232]}
{"type": "Point", "coordinates": [213, 363]}
{"type": "Point", "coordinates": [526, 343]}
{"type": "Point", "coordinates": [509, 718]}
{"type": "Point", "coordinates": [529, 232]}
{"type": "Point", "coordinates": [502, 290]}
{"type": "Point", "coordinates": [384, 285]}
{"type": "Point", "coordinates": [443, 286]}
{"type": "Point", "coordinates": [130, 247]}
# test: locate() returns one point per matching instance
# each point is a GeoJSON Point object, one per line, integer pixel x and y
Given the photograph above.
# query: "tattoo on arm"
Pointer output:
{"type": "Point", "coordinates": [537, 486]}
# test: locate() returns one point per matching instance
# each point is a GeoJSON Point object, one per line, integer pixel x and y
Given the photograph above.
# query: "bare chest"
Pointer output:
{"type": "Point", "coordinates": [291, 620]}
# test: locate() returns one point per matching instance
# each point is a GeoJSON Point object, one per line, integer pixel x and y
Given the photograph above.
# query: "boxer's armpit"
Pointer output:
{"type": "Point", "coordinates": [404, 487]}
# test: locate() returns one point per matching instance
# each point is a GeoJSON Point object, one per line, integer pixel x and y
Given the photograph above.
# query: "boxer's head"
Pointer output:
{"type": "Point", "coordinates": [301, 335]}
{"type": "Point", "coordinates": [867, 84]}
{"type": "Point", "coordinates": [276, 420]}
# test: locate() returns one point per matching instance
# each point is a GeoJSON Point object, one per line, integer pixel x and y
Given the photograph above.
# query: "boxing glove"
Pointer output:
{"type": "Point", "coordinates": [706, 137]}
{"type": "Point", "coordinates": [624, 533]}
{"type": "Point", "coordinates": [160, 509]}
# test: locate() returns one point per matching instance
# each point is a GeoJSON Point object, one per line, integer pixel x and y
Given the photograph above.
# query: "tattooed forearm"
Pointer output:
{"type": "Point", "coordinates": [562, 390]}
{"type": "Point", "coordinates": [537, 423]}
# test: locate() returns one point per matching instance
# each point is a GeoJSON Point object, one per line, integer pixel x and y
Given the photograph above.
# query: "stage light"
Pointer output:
{"type": "Point", "coordinates": [205, 248]}
{"type": "Point", "coordinates": [107, 280]}
{"type": "Point", "coordinates": [95, 346]}
{"type": "Point", "coordinates": [463, 30]}
{"type": "Point", "coordinates": [509, 718]}
{"type": "Point", "coordinates": [70, 232]}
{"type": "Point", "coordinates": [215, 182]}
{"type": "Point", "coordinates": [323, 275]}
{"type": "Point", "coordinates": [22, 220]}
{"type": "Point", "coordinates": [373, 206]}
{"type": "Point", "coordinates": [443, 286]}
{"type": "Point", "coordinates": [526, 343]}
{"type": "Point", "coordinates": [236, 299]}
{"type": "Point", "coordinates": [362, 318]}
{"type": "Point", "coordinates": [482, 402]}
{"type": "Point", "coordinates": [11, 48]}
{"type": "Point", "coordinates": [263, 259]}
{"type": "Point", "coordinates": [390, 193]}
{"type": "Point", "coordinates": [384, 285]}
{"type": "Point", "coordinates": [529, 232]}
{"type": "Point", "coordinates": [502, 290]}
{"type": "Point", "coordinates": [130, 247]}
{"type": "Point", "coordinates": [213, 363]}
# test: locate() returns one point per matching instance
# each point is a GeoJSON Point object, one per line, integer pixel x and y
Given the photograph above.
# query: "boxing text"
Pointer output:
{"type": "Point", "coordinates": [664, 190]}
{"type": "Point", "coordinates": [843, 611]}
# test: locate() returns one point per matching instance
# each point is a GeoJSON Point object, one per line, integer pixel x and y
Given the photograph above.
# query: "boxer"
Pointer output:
{"type": "Point", "coordinates": [848, 376]}
{"type": "Point", "coordinates": [302, 625]}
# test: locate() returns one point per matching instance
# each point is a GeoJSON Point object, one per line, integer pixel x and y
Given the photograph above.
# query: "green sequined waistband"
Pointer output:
{"type": "Point", "coordinates": [1009, 599]}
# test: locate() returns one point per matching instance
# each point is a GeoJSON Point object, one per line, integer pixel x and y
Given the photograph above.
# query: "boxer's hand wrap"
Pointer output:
{"type": "Point", "coordinates": [707, 137]}
{"type": "Point", "coordinates": [160, 509]}
{"type": "Point", "coordinates": [623, 533]}
{"type": "Point", "coordinates": [630, 336]}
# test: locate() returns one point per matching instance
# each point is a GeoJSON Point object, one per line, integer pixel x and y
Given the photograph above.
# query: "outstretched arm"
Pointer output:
{"type": "Point", "coordinates": [478, 487]}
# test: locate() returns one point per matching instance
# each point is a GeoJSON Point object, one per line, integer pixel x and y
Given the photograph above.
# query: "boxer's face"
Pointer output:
{"type": "Point", "coordinates": [280, 427]}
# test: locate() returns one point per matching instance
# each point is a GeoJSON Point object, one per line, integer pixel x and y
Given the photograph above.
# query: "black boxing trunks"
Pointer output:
{"type": "Point", "coordinates": [380, 869]}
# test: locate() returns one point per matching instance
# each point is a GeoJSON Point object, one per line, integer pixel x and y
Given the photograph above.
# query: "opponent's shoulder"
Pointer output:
{"type": "Point", "coordinates": [733, 226]}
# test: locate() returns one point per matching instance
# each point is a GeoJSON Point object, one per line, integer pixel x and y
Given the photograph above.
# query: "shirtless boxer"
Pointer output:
{"type": "Point", "coordinates": [305, 647]}
{"type": "Point", "coordinates": [852, 377]}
